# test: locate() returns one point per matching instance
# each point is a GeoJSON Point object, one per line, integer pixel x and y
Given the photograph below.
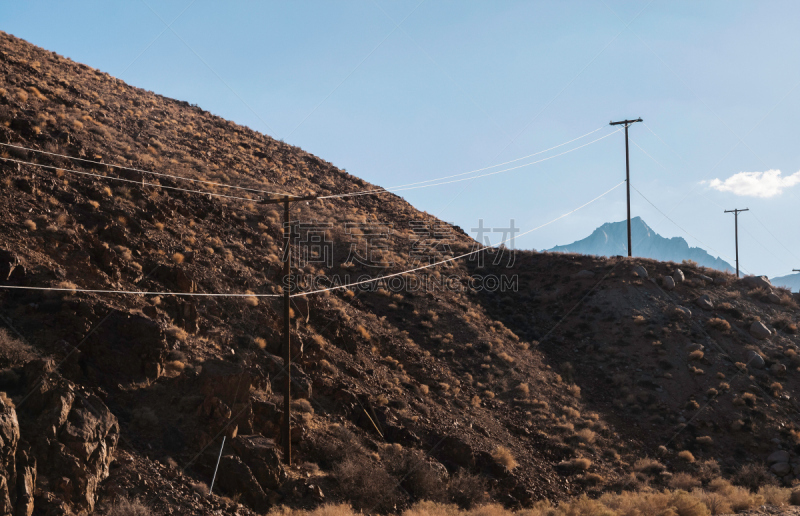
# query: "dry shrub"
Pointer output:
{"type": "Point", "coordinates": [251, 299]}
{"type": "Point", "coordinates": [29, 225]}
{"type": "Point", "coordinates": [302, 405]}
{"type": "Point", "coordinates": [178, 258]}
{"type": "Point", "coordinates": [686, 455]}
{"type": "Point", "coordinates": [716, 503]}
{"type": "Point", "coordinates": [738, 498]}
{"type": "Point", "coordinates": [174, 367]}
{"type": "Point", "coordinates": [754, 476]}
{"type": "Point", "coordinates": [650, 467]}
{"type": "Point", "coordinates": [684, 481]}
{"type": "Point", "coordinates": [523, 390]}
{"type": "Point", "coordinates": [696, 355]}
{"type": "Point", "coordinates": [577, 464]}
{"type": "Point", "coordinates": [467, 490]}
{"type": "Point", "coordinates": [775, 495]}
{"type": "Point", "coordinates": [719, 324]}
{"type": "Point", "coordinates": [705, 440]}
{"type": "Point", "coordinates": [200, 488]}
{"type": "Point", "coordinates": [419, 477]}
{"type": "Point", "coordinates": [177, 333]}
{"type": "Point", "coordinates": [586, 436]}
{"type": "Point", "coordinates": [14, 351]}
{"type": "Point", "coordinates": [366, 484]}
{"type": "Point", "coordinates": [363, 332]}
{"type": "Point", "coordinates": [504, 457]}
{"type": "Point", "coordinates": [260, 342]}
{"type": "Point", "coordinates": [127, 507]}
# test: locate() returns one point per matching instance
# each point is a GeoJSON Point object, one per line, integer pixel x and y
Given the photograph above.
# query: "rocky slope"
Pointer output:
{"type": "Point", "coordinates": [611, 239]}
{"type": "Point", "coordinates": [546, 376]}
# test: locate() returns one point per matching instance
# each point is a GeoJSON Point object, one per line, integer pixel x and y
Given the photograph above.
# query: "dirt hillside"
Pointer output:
{"type": "Point", "coordinates": [569, 375]}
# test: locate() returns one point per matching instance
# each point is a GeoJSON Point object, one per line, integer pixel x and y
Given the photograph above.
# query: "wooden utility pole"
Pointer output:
{"type": "Point", "coordinates": [627, 123]}
{"type": "Point", "coordinates": [286, 428]}
{"type": "Point", "coordinates": [736, 229]}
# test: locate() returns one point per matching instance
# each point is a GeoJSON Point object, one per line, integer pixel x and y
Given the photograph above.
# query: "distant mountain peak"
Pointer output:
{"type": "Point", "coordinates": [611, 239]}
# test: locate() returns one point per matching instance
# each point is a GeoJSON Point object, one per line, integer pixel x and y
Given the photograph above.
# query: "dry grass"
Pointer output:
{"type": "Point", "coordinates": [721, 498]}
{"type": "Point", "coordinates": [302, 405]}
{"type": "Point", "coordinates": [719, 324]}
{"type": "Point", "coordinates": [127, 507]}
{"type": "Point", "coordinates": [504, 457]}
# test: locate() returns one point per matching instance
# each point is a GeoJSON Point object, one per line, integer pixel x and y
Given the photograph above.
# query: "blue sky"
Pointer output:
{"type": "Point", "coordinates": [399, 92]}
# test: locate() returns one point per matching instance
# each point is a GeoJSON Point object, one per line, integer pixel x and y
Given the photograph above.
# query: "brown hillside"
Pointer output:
{"type": "Point", "coordinates": [574, 382]}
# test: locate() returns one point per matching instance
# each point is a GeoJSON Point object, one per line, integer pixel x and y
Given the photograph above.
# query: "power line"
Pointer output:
{"type": "Point", "coordinates": [160, 174]}
{"type": "Point", "coordinates": [114, 178]}
{"type": "Point", "coordinates": [377, 191]}
{"type": "Point", "coordinates": [143, 293]}
{"type": "Point", "coordinates": [203, 294]}
{"type": "Point", "coordinates": [713, 202]}
{"type": "Point", "coordinates": [679, 227]}
{"type": "Point", "coordinates": [410, 186]}
{"type": "Point", "coordinates": [499, 164]}
{"type": "Point", "coordinates": [460, 256]}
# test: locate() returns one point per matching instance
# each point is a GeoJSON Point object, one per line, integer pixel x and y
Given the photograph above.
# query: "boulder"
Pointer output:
{"type": "Point", "coordinates": [454, 451]}
{"type": "Point", "coordinates": [72, 433]}
{"type": "Point", "coordinates": [781, 468]}
{"type": "Point", "coordinates": [668, 282]}
{"type": "Point", "coordinates": [794, 498]}
{"type": "Point", "coordinates": [263, 458]}
{"type": "Point", "coordinates": [704, 302]}
{"type": "Point", "coordinates": [9, 438]}
{"type": "Point", "coordinates": [773, 298]}
{"type": "Point", "coordinates": [778, 456]}
{"type": "Point", "coordinates": [640, 271]}
{"type": "Point", "coordinates": [757, 282]}
{"type": "Point", "coordinates": [235, 477]}
{"type": "Point", "coordinates": [678, 276]}
{"type": "Point", "coordinates": [754, 360]}
{"type": "Point", "coordinates": [704, 278]}
{"type": "Point", "coordinates": [683, 311]}
{"type": "Point", "coordinates": [778, 370]}
{"type": "Point", "coordinates": [759, 330]}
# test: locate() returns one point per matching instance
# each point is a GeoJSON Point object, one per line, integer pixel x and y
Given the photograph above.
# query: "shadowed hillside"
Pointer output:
{"type": "Point", "coordinates": [514, 378]}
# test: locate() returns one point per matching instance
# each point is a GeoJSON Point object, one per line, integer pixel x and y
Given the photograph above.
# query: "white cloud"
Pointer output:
{"type": "Point", "coordinates": [756, 184]}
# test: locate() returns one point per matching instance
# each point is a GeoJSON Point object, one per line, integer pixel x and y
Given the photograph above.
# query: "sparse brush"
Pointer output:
{"type": "Point", "coordinates": [687, 456]}
{"type": "Point", "coordinates": [174, 367]}
{"type": "Point", "coordinates": [504, 457]}
{"type": "Point", "coordinates": [127, 507]}
{"type": "Point", "coordinates": [178, 258]}
{"type": "Point", "coordinates": [719, 324]}
{"type": "Point", "coordinates": [753, 476]}
{"type": "Point", "coordinates": [302, 405]}
{"type": "Point", "coordinates": [177, 333]}
{"type": "Point", "coordinates": [684, 481]}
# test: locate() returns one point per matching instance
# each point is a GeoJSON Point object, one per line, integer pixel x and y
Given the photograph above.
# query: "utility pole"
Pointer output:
{"type": "Point", "coordinates": [286, 428]}
{"type": "Point", "coordinates": [627, 123]}
{"type": "Point", "coordinates": [736, 226]}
